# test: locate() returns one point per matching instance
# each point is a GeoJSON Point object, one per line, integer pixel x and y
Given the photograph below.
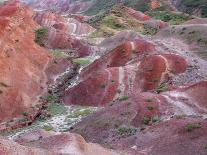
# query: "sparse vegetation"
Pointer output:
{"type": "Point", "coordinates": [39, 35]}
{"type": "Point", "coordinates": [191, 127]}
{"type": "Point", "coordinates": [56, 109]}
{"type": "Point", "coordinates": [124, 132]}
{"type": "Point", "coordinates": [25, 114]}
{"type": "Point", "coordinates": [123, 98]}
{"type": "Point", "coordinates": [146, 120]}
{"type": "Point", "coordinates": [81, 61]}
{"type": "Point", "coordinates": [149, 120]}
{"type": "Point", "coordinates": [162, 87]}
{"type": "Point", "coordinates": [80, 113]}
{"type": "Point", "coordinates": [51, 98]}
{"type": "Point", "coordinates": [150, 107]}
{"type": "Point", "coordinates": [149, 31]}
{"type": "Point", "coordinates": [170, 17]}
{"type": "Point", "coordinates": [47, 127]}
{"type": "Point", "coordinates": [59, 54]}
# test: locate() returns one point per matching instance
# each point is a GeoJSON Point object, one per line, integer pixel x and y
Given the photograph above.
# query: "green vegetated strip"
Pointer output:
{"type": "Point", "coordinates": [172, 18]}
{"type": "Point", "coordinates": [82, 61]}
{"type": "Point", "coordinates": [109, 22]}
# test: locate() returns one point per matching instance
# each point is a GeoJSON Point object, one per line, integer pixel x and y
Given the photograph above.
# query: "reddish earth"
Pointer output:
{"type": "Point", "coordinates": [63, 33]}
{"type": "Point", "coordinates": [69, 26]}
{"type": "Point", "coordinates": [154, 4]}
{"type": "Point", "coordinates": [41, 142]}
{"type": "Point", "coordinates": [148, 21]}
{"type": "Point", "coordinates": [108, 78]}
{"type": "Point", "coordinates": [151, 90]}
{"type": "Point", "coordinates": [23, 62]}
{"type": "Point", "coordinates": [144, 116]}
{"type": "Point", "coordinates": [56, 39]}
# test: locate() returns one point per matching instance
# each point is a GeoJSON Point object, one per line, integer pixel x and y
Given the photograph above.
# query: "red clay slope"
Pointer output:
{"type": "Point", "coordinates": [22, 77]}
{"type": "Point", "coordinates": [111, 78]}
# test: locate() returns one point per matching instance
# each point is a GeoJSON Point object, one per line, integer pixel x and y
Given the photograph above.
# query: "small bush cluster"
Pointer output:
{"type": "Point", "coordinates": [39, 35]}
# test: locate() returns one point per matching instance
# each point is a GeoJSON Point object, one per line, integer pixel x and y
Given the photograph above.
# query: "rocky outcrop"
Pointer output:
{"type": "Point", "coordinates": [23, 62]}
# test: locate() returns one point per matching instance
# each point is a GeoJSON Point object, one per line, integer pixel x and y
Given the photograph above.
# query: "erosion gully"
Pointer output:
{"type": "Point", "coordinates": [57, 116]}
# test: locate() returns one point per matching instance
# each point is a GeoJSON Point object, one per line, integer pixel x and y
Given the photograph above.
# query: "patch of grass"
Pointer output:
{"type": "Point", "coordinates": [39, 35]}
{"type": "Point", "coordinates": [51, 98]}
{"type": "Point", "coordinates": [25, 114]}
{"type": "Point", "coordinates": [59, 54]}
{"type": "Point", "coordinates": [180, 116]}
{"type": "Point", "coordinates": [155, 119]}
{"type": "Point", "coordinates": [191, 127]}
{"type": "Point", "coordinates": [162, 87]}
{"type": "Point", "coordinates": [146, 120]}
{"type": "Point", "coordinates": [124, 132]}
{"type": "Point", "coordinates": [113, 22]}
{"type": "Point", "coordinates": [124, 98]}
{"type": "Point", "coordinates": [149, 31]}
{"type": "Point", "coordinates": [56, 109]}
{"type": "Point", "coordinates": [47, 127]}
{"type": "Point", "coordinates": [96, 20]}
{"type": "Point", "coordinates": [81, 61]}
{"type": "Point", "coordinates": [150, 107]}
{"type": "Point", "coordinates": [80, 113]}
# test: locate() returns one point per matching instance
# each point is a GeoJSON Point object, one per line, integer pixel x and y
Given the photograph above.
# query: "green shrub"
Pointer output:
{"type": "Point", "coordinates": [162, 87]}
{"type": "Point", "coordinates": [39, 35]}
{"type": "Point", "coordinates": [146, 120]}
{"type": "Point", "coordinates": [191, 127]}
{"type": "Point", "coordinates": [123, 131]}
{"type": "Point", "coordinates": [124, 98]}
{"type": "Point", "coordinates": [150, 107]}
